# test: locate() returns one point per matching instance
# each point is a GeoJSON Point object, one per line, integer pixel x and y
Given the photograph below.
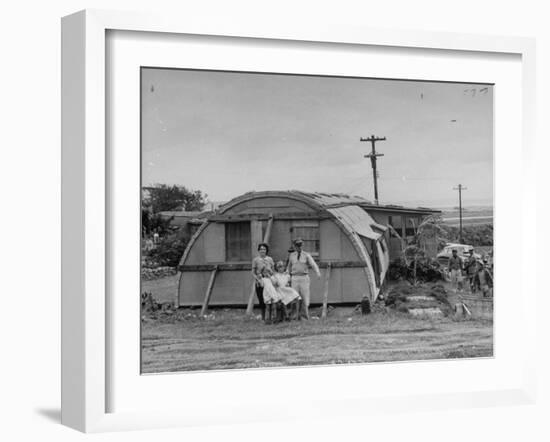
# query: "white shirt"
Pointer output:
{"type": "Point", "coordinates": [299, 266]}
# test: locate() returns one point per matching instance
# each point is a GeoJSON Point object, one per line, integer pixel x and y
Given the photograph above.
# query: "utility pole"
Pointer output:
{"type": "Point", "coordinates": [373, 155]}
{"type": "Point", "coordinates": [460, 188]}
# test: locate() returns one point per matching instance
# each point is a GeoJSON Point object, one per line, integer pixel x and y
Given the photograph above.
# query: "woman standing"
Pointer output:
{"type": "Point", "coordinates": [259, 264]}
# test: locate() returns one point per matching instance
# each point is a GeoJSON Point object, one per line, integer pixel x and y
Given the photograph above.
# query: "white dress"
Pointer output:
{"type": "Point", "coordinates": [271, 296]}
{"type": "Point", "coordinates": [286, 294]}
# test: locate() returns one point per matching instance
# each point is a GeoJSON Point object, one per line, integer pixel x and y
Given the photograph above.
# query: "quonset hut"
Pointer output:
{"type": "Point", "coordinates": [351, 248]}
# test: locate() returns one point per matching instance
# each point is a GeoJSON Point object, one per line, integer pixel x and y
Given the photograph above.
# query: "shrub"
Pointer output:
{"type": "Point", "coordinates": [168, 251]}
{"type": "Point", "coordinates": [480, 235]}
{"type": "Point", "coordinates": [427, 270]}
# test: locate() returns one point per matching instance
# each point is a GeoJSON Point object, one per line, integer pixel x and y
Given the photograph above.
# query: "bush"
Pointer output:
{"type": "Point", "coordinates": [481, 235]}
{"type": "Point", "coordinates": [427, 270]}
{"type": "Point", "coordinates": [168, 251]}
{"type": "Point", "coordinates": [397, 270]}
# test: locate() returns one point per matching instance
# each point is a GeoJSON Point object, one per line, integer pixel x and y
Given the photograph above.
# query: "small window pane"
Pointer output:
{"type": "Point", "coordinates": [237, 241]}
{"type": "Point", "coordinates": [309, 234]}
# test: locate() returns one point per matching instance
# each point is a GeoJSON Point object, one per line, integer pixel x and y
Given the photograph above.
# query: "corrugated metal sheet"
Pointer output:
{"type": "Point", "coordinates": [329, 199]}
{"type": "Point", "coordinates": [325, 200]}
{"type": "Point", "coordinates": [361, 225]}
{"type": "Point", "coordinates": [357, 220]}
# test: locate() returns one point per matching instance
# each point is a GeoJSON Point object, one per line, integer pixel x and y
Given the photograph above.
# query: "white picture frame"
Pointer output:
{"type": "Point", "coordinates": [85, 203]}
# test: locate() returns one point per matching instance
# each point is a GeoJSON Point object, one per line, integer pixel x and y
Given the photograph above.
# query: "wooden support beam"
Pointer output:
{"type": "Point", "coordinates": [250, 304]}
{"type": "Point", "coordinates": [325, 294]}
{"type": "Point", "coordinates": [242, 266]}
{"type": "Point", "coordinates": [177, 290]}
{"type": "Point", "coordinates": [208, 293]}
{"type": "Point", "coordinates": [267, 234]}
{"type": "Point", "coordinates": [238, 217]}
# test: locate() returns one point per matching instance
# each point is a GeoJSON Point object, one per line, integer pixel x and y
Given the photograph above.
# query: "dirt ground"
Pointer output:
{"type": "Point", "coordinates": [163, 289]}
{"type": "Point", "coordinates": [228, 339]}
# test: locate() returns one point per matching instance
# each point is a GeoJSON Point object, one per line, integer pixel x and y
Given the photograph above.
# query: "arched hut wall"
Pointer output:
{"type": "Point", "coordinates": [349, 278]}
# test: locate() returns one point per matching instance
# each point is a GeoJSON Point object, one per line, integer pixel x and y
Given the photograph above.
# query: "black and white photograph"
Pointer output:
{"type": "Point", "coordinates": [303, 220]}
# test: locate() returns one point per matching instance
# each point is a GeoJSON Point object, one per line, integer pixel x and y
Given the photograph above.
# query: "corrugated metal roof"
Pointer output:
{"type": "Point", "coordinates": [357, 220]}
{"type": "Point", "coordinates": [329, 199]}
{"type": "Point", "coordinates": [335, 199]}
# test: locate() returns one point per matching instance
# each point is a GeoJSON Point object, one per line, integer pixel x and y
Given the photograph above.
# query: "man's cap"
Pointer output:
{"type": "Point", "coordinates": [298, 241]}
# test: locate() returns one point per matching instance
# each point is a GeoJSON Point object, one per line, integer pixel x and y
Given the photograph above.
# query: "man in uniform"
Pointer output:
{"type": "Point", "coordinates": [455, 269]}
{"type": "Point", "coordinates": [471, 270]}
{"type": "Point", "coordinates": [484, 279]}
{"type": "Point", "coordinates": [299, 264]}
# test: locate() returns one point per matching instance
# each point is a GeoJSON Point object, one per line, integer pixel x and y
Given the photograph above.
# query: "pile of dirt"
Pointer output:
{"type": "Point", "coordinates": [151, 309]}
{"type": "Point", "coordinates": [431, 300]}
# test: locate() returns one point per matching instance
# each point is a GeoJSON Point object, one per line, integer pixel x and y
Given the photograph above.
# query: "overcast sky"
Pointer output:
{"type": "Point", "coordinates": [230, 133]}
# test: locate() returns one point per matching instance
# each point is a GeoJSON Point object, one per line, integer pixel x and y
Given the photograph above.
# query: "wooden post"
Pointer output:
{"type": "Point", "coordinates": [267, 233]}
{"type": "Point", "coordinates": [209, 291]}
{"type": "Point", "coordinates": [255, 235]}
{"type": "Point", "coordinates": [250, 305]}
{"type": "Point", "coordinates": [177, 291]}
{"type": "Point", "coordinates": [325, 294]}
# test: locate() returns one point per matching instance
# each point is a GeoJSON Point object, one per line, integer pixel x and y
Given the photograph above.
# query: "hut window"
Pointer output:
{"type": "Point", "coordinates": [237, 241]}
{"type": "Point", "coordinates": [410, 226]}
{"type": "Point", "coordinates": [309, 232]}
{"type": "Point", "coordinates": [395, 221]}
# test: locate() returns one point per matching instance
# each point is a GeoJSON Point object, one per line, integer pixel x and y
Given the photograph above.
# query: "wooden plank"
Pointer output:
{"type": "Point", "coordinates": [255, 235]}
{"type": "Point", "coordinates": [267, 233]}
{"type": "Point", "coordinates": [238, 266]}
{"type": "Point", "coordinates": [177, 291]}
{"type": "Point", "coordinates": [250, 304]}
{"type": "Point", "coordinates": [241, 266]}
{"type": "Point", "coordinates": [209, 291]}
{"type": "Point", "coordinates": [214, 243]}
{"type": "Point", "coordinates": [330, 238]}
{"type": "Point", "coordinates": [325, 294]}
{"type": "Point", "coordinates": [264, 216]}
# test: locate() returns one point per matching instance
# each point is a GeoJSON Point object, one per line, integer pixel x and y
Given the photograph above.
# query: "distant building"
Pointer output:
{"type": "Point", "coordinates": [179, 218]}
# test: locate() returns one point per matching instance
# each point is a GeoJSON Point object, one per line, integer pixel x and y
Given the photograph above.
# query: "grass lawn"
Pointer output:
{"type": "Point", "coordinates": [228, 339]}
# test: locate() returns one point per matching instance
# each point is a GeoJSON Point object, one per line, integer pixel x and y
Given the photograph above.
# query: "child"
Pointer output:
{"type": "Point", "coordinates": [270, 294]}
{"type": "Point", "coordinates": [287, 295]}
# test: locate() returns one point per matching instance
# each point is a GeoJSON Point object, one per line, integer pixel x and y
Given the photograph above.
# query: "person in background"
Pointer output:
{"type": "Point", "coordinates": [149, 245]}
{"type": "Point", "coordinates": [471, 268]}
{"type": "Point", "coordinates": [299, 264]}
{"type": "Point", "coordinates": [490, 262]}
{"type": "Point", "coordinates": [484, 279]}
{"type": "Point", "coordinates": [455, 269]}
{"type": "Point", "coordinates": [261, 264]}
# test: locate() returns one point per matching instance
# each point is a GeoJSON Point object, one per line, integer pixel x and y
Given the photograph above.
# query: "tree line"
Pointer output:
{"type": "Point", "coordinates": [163, 198]}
